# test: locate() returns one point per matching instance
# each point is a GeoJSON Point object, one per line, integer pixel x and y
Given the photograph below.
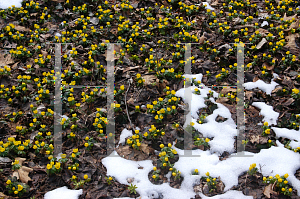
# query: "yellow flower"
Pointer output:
{"type": "Point", "coordinates": [207, 180]}
{"type": "Point", "coordinates": [296, 91]}
{"type": "Point", "coordinates": [49, 166]}
{"type": "Point", "coordinates": [266, 123]}
{"type": "Point", "coordinates": [154, 176]}
{"type": "Point", "coordinates": [207, 173]}
{"type": "Point", "coordinates": [86, 144]}
{"type": "Point", "coordinates": [286, 175]}
{"type": "Point", "coordinates": [161, 145]}
{"type": "Point", "coordinates": [85, 176]}
{"type": "Point", "coordinates": [8, 182]}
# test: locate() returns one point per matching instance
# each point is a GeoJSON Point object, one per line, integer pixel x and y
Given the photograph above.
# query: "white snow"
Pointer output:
{"type": "Point", "coordinates": [124, 134]}
{"type": "Point", "coordinates": [264, 23]}
{"type": "Point", "coordinates": [267, 111]}
{"type": "Point", "coordinates": [272, 161]}
{"type": "Point", "coordinates": [228, 195]}
{"type": "Point", "coordinates": [275, 160]}
{"type": "Point", "coordinates": [63, 193]}
{"type": "Point", "coordinates": [291, 134]}
{"type": "Point", "coordinates": [207, 5]}
{"type": "Point", "coordinates": [261, 85]}
{"type": "Point", "coordinates": [8, 3]}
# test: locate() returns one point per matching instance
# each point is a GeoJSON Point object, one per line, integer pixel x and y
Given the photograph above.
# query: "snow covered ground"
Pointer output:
{"type": "Point", "coordinates": [276, 160]}
{"type": "Point", "coordinates": [8, 3]}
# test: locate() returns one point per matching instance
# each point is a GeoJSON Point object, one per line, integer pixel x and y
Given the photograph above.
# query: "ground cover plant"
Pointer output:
{"type": "Point", "coordinates": [149, 103]}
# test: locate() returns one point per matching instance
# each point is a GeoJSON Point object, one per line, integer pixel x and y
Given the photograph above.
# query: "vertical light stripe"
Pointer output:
{"type": "Point", "coordinates": [110, 128]}
{"type": "Point", "coordinates": [57, 102]}
{"type": "Point", "coordinates": [188, 139]}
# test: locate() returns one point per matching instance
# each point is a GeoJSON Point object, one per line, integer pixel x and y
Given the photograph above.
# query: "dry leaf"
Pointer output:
{"type": "Point", "coordinates": [149, 79]}
{"type": "Point", "coordinates": [23, 172]}
{"type": "Point", "coordinates": [285, 18]}
{"type": "Point", "coordinates": [6, 59]}
{"type": "Point", "coordinates": [263, 32]}
{"type": "Point", "coordinates": [268, 66]}
{"type": "Point", "coordinates": [254, 139]}
{"type": "Point", "coordinates": [227, 90]}
{"type": "Point", "coordinates": [202, 39]}
{"type": "Point", "coordinates": [249, 94]}
{"type": "Point", "coordinates": [263, 140]}
{"type": "Point", "coordinates": [130, 101]}
{"type": "Point", "coordinates": [3, 196]}
{"type": "Point", "coordinates": [146, 149]}
{"type": "Point", "coordinates": [291, 44]}
{"type": "Point", "coordinates": [21, 28]}
{"type": "Point", "coordinates": [222, 100]}
{"type": "Point", "coordinates": [268, 190]}
{"type": "Point", "coordinates": [288, 102]}
{"type": "Point", "coordinates": [261, 43]}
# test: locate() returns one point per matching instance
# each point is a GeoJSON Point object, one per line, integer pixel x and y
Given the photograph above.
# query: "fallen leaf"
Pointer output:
{"type": "Point", "coordinates": [3, 196]}
{"type": "Point", "coordinates": [285, 18]}
{"type": "Point", "coordinates": [268, 191]}
{"type": "Point", "coordinates": [249, 94]}
{"type": "Point", "coordinates": [263, 32]}
{"type": "Point", "coordinates": [288, 102]}
{"type": "Point", "coordinates": [21, 28]}
{"type": "Point", "coordinates": [6, 59]}
{"type": "Point", "coordinates": [291, 44]}
{"type": "Point", "coordinates": [254, 139]}
{"type": "Point", "coordinates": [23, 172]}
{"type": "Point", "coordinates": [202, 39]}
{"type": "Point", "coordinates": [222, 100]}
{"type": "Point", "coordinates": [227, 90]}
{"type": "Point", "coordinates": [268, 66]}
{"type": "Point", "coordinates": [261, 43]}
{"type": "Point", "coordinates": [146, 149]}
{"type": "Point", "coordinates": [149, 79]}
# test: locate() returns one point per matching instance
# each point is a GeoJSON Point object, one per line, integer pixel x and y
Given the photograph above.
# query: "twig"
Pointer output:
{"type": "Point", "coordinates": [130, 80]}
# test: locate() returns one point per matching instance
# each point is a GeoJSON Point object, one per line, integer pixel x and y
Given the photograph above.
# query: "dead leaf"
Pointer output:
{"type": "Point", "coordinates": [263, 32]}
{"type": "Point", "coordinates": [278, 88]}
{"type": "Point", "coordinates": [288, 102]}
{"type": "Point", "coordinates": [130, 68]}
{"type": "Point", "coordinates": [222, 100]}
{"type": "Point", "coordinates": [227, 90]}
{"type": "Point", "coordinates": [291, 44]}
{"type": "Point", "coordinates": [202, 39]}
{"type": "Point", "coordinates": [149, 79]}
{"type": "Point", "coordinates": [285, 18]}
{"type": "Point", "coordinates": [21, 28]}
{"type": "Point", "coordinates": [268, 66]}
{"type": "Point", "coordinates": [255, 79]}
{"type": "Point", "coordinates": [146, 149]}
{"type": "Point", "coordinates": [130, 101]}
{"type": "Point", "coordinates": [220, 187]}
{"type": "Point", "coordinates": [254, 139]}
{"type": "Point", "coordinates": [263, 140]}
{"type": "Point", "coordinates": [3, 196]}
{"type": "Point", "coordinates": [268, 191]}
{"type": "Point", "coordinates": [288, 82]}
{"type": "Point", "coordinates": [44, 53]}
{"type": "Point", "coordinates": [23, 172]}
{"type": "Point", "coordinates": [249, 94]}
{"type": "Point", "coordinates": [261, 43]}
{"type": "Point", "coordinates": [6, 59]}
